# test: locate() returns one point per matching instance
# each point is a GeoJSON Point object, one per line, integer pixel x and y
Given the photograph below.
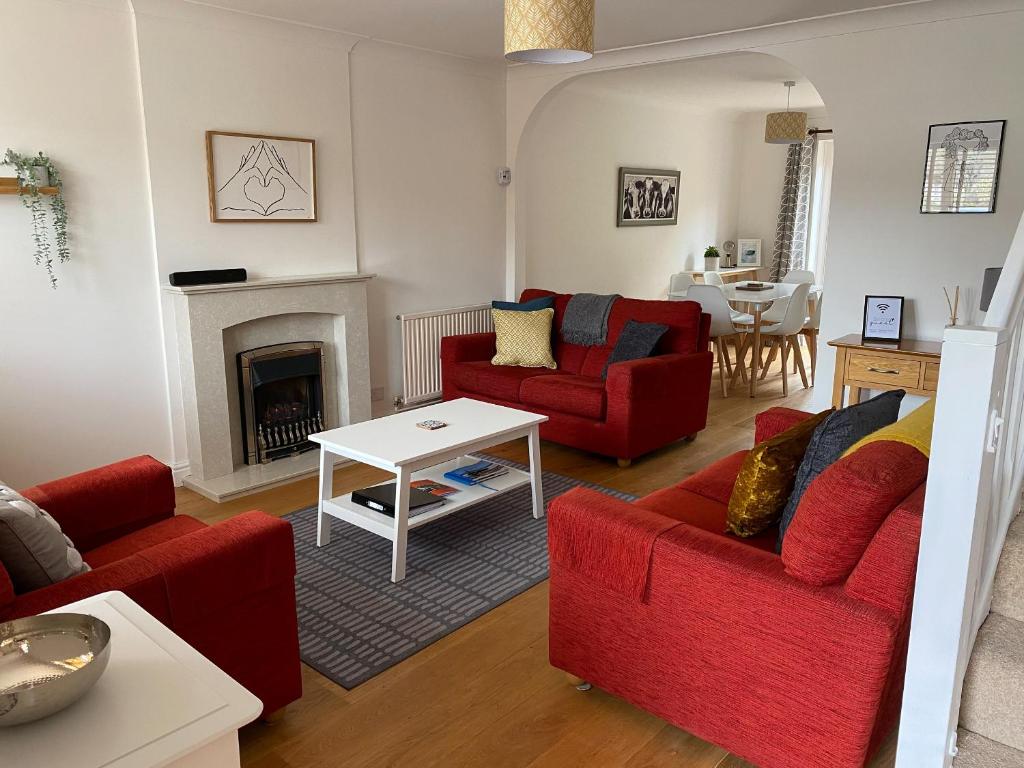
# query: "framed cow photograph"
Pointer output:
{"type": "Point", "coordinates": [648, 197]}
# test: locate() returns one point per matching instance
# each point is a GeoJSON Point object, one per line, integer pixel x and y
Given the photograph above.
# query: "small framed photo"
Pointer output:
{"type": "Point", "coordinates": [252, 177]}
{"type": "Point", "coordinates": [883, 319]}
{"type": "Point", "coordinates": [648, 197]}
{"type": "Point", "coordinates": [748, 253]}
{"type": "Point", "coordinates": [961, 167]}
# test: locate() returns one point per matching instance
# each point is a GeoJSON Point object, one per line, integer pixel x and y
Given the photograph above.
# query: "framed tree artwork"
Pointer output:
{"type": "Point", "coordinates": [647, 197]}
{"type": "Point", "coordinates": [252, 177]}
{"type": "Point", "coordinates": [961, 168]}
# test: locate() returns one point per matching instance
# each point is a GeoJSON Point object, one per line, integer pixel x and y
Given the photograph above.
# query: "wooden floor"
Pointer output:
{"type": "Point", "coordinates": [485, 694]}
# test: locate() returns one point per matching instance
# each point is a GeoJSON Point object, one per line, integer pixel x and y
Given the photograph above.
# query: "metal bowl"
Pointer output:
{"type": "Point", "coordinates": [47, 662]}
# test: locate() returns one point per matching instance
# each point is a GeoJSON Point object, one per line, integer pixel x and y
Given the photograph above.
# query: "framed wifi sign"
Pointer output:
{"type": "Point", "coordinates": [883, 319]}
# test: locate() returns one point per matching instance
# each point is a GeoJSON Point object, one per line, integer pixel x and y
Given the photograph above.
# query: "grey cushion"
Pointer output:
{"type": "Point", "coordinates": [637, 340]}
{"type": "Point", "coordinates": [543, 302]}
{"type": "Point", "coordinates": [832, 438]}
{"type": "Point", "coordinates": [32, 548]}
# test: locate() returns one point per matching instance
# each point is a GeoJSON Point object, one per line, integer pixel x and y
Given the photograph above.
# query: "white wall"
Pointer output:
{"type": "Point", "coordinates": [884, 76]}
{"type": "Point", "coordinates": [87, 381]}
{"type": "Point", "coordinates": [429, 136]}
{"type": "Point", "coordinates": [81, 368]}
{"type": "Point", "coordinates": [568, 176]}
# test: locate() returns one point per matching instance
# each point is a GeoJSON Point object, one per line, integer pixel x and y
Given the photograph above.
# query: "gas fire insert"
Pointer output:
{"type": "Point", "coordinates": [282, 398]}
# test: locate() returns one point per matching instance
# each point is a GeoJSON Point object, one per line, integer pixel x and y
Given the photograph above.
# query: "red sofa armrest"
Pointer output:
{"type": "Point", "coordinates": [100, 505]}
{"type": "Point", "coordinates": [131, 575]}
{"type": "Point", "coordinates": [775, 421]}
{"type": "Point", "coordinates": [209, 570]}
{"type": "Point", "coordinates": [468, 347]}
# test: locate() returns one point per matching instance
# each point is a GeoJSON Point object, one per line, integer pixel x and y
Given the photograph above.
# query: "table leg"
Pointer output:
{"type": "Point", "coordinates": [323, 520]}
{"type": "Point", "coordinates": [756, 356]}
{"type": "Point", "coordinates": [402, 478]}
{"type": "Point", "coordinates": [536, 477]}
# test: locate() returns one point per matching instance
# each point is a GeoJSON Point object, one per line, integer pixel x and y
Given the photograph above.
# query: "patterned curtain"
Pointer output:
{"type": "Point", "coordinates": [791, 231]}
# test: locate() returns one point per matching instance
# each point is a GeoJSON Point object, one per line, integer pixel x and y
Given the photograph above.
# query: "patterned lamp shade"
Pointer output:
{"type": "Point", "coordinates": [785, 128]}
{"type": "Point", "coordinates": [549, 31]}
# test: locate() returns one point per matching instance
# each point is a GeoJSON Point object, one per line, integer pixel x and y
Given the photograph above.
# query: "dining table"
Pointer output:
{"type": "Point", "coordinates": [756, 302]}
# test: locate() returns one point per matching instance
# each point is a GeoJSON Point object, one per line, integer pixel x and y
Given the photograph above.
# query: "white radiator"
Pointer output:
{"type": "Point", "coordinates": [421, 347]}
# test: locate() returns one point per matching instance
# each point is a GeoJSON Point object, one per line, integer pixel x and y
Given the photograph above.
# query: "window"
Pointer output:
{"type": "Point", "coordinates": [821, 195]}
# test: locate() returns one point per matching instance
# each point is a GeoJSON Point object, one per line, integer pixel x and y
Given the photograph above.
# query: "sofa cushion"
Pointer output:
{"type": "Point", "coordinates": [479, 377]}
{"type": "Point", "coordinates": [716, 480]}
{"type": "Point", "coordinates": [33, 550]}
{"type": "Point", "coordinates": [700, 512]}
{"type": "Point", "coordinates": [766, 478]}
{"type": "Point", "coordinates": [541, 302]}
{"type": "Point", "coordinates": [578, 395]}
{"type": "Point", "coordinates": [636, 341]}
{"type": "Point", "coordinates": [134, 542]}
{"type": "Point", "coordinates": [831, 439]}
{"type": "Point", "coordinates": [845, 506]}
{"type": "Point", "coordinates": [523, 338]}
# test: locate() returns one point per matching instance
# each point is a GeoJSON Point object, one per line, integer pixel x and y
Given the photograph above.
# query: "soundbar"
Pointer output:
{"type": "Point", "coordinates": [207, 276]}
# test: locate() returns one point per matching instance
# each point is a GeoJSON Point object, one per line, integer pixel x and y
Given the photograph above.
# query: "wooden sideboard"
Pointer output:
{"type": "Point", "coordinates": [729, 274]}
{"type": "Point", "coordinates": [911, 365]}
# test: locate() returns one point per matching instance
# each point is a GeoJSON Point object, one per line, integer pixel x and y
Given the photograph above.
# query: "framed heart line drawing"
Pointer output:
{"type": "Point", "coordinates": [257, 178]}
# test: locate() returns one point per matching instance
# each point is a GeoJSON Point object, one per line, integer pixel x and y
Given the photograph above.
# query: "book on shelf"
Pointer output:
{"type": "Point", "coordinates": [433, 487]}
{"type": "Point", "coordinates": [381, 498]}
{"type": "Point", "coordinates": [475, 474]}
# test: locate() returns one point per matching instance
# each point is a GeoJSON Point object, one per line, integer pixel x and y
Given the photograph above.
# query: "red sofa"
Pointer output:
{"type": "Point", "coordinates": [652, 602]}
{"type": "Point", "coordinates": [227, 589]}
{"type": "Point", "coordinates": [641, 406]}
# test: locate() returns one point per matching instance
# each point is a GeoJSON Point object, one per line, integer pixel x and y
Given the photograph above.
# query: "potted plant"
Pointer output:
{"type": "Point", "coordinates": [711, 257]}
{"type": "Point", "coordinates": [34, 172]}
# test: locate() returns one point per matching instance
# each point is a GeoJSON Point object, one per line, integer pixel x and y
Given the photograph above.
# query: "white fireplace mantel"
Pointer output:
{"type": "Point", "coordinates": [215, 322]}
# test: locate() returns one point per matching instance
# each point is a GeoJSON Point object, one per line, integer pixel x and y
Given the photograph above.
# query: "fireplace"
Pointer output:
{"type": "Point", "coordinates": [282, 399]}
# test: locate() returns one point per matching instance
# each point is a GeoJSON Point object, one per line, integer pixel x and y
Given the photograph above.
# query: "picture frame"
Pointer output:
{"type": "Point", "coordinates": [883, 319]}
{"type": "Point", "coordinates": [255, 177]}
{"type": "Point", "coordinates": [961, 167]}
{"type": "Point", "coordinates": [647, 197]}
{"type": "Point", "coordinates": [748, 252]}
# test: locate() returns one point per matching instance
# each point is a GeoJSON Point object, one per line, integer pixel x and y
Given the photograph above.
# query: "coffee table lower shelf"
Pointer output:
{"type": "Point", "coordinates": [343, 508]}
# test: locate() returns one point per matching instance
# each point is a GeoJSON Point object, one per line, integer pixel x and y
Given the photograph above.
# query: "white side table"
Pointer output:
{"type": "Point", "coordinates": [159, 703]}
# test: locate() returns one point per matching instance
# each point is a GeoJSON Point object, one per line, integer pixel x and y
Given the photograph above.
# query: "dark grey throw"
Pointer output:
{"type": "Point", "coordinates": [586, 319]}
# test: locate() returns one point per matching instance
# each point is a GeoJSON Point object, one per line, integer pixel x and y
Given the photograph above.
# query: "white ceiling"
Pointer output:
{"type": "Point", "coordinates": [736, 82]}
{"type": "Point", "coordinates": [473, 28]}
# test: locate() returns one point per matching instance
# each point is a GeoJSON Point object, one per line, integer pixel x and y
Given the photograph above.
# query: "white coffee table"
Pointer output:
{"type": "Point", "coordinates": [396, 444]}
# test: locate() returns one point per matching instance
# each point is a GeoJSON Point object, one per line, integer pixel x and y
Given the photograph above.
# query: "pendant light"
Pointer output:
{"type": "Point", "coordinates": [786, 127]}
{"type": "Point", "coordinates": [549, 31]}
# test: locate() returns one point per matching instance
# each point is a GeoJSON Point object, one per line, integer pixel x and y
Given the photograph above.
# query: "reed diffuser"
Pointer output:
{"type": "Point", "coordinates": [953, 304]}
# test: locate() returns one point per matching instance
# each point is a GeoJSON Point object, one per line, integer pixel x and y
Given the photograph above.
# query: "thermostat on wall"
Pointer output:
{"type": "Point", "coordinates": [504, 176]}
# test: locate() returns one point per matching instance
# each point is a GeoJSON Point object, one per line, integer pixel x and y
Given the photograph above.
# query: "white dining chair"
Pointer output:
{"type": "Point", "coordinates": [797, 276]}
{"type": "Point", "coordinates": [783, 337]}
{"type": "Point", "coordinates": [810, 334]}
{"type": "Point", "coordinates": [678, 284]}
{"type": "Point", "coordinates": [713, 302]}
{"type": "Point", "coordinates": [739, 318]}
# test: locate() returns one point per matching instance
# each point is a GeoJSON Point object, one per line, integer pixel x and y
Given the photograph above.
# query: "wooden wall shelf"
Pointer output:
{"type": "Point", "coordinates": [9, 186]}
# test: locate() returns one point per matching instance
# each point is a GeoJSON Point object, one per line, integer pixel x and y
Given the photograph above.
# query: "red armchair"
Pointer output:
{"type": "Point", "coordinates": [641, 406]}
{"type": "Point", "coordinates": [652, 602]}
{"type": "Point", "coordinates": [227, 589]}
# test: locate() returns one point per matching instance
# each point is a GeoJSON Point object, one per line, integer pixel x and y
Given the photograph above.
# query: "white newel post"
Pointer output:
{"type": "Point", "coordinates": [952, 545]}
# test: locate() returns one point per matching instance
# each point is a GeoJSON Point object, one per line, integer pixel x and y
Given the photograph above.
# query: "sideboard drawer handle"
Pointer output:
{"type": "Point", "coordinates": [892, 371]}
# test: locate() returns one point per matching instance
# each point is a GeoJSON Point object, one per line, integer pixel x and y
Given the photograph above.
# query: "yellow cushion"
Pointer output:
{"type": "Point", "coordinates": [766, 479]}
{"type": "Point", "coordinates": [523, 338]}
{"type": "Point", "coordinates": [914, 429]}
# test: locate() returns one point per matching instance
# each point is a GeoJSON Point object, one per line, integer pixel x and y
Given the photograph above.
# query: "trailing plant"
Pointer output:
{"type": "Point", "coordinates": [32, 198]}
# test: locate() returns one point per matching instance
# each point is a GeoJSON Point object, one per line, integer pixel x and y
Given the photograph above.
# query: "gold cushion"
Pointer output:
{"type": "Point", "coordinates": [766, 479]}
{"type": "Point", "coordinates": [523, 338]}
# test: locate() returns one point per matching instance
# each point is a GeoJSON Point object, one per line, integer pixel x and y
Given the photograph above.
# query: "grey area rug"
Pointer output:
{"type": "Point", "coordinates": [354, 623]}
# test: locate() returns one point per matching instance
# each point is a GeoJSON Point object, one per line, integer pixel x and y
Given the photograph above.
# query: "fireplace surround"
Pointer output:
{"type": "Point", "coordinates": [214, 323]}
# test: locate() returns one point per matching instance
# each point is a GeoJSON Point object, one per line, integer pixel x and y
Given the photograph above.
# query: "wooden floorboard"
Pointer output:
{"type": "Point", "coordinates": [485, 695]}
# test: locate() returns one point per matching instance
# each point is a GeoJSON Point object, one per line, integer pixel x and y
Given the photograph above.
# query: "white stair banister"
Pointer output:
{"type": "Point", "coordinates": [975, 478]}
